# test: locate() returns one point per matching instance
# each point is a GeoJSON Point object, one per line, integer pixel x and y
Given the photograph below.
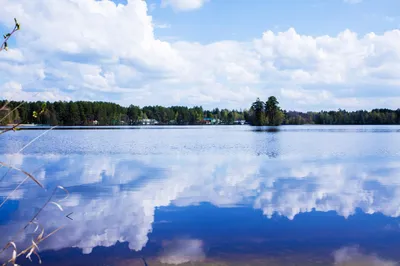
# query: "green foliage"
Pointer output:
{"type": "Point", "coordinates": [273, 112]}
{"type": "Point", "coordinates": [269, 114]}
{"type": "Point", "coordinates": [261, 113]}
{"type": "Point", "coordinates": [7, 36]}
{"type": "Point", "coordinates": [266, 114]}
{"type": "Point", "coordinates": [258, 117]}
{"type": "Point", "coordinates": [103, 113]}
{"type": "Point", "coordinates": [343, 117]}
{"type": "Point", "coordinates": [17, 25]}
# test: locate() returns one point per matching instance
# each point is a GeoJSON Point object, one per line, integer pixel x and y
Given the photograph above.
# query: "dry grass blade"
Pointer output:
{"type": "Point", "coordinates": [28, 256]}
{"type": "Point", "coordinates": [40, 236]}
{"type": "Point", "coordinates": [8, 196]}
{"type": "Point", "coordinates": [37, 255]}
{"type": "Point", "coordinates": [37, 225]}
{"type": "Point", "coordinates": [14, 253]}
{"type": "Point", "coordinates": [4, 176]}
{"type": "Point", "coordinates": [24, 172]}
{"type": "Point", "coordinates": [4, 106]}
{"type": "Point", "coordinates": [15, 189]}
{"type": "Point", "coordinates": [33, 220]}
{"type": "Point", "coordinates": [22, 182]}
{"type": "Point", "coordinates": [58, 205]}
{"type": "Point", "coordinates": [30, 247]}
{"type": "Point", "coordinates": [29, 143]}
{"type": "Point", "coordinates": [34, 247]}
{"type": "Point", "coordinates": [66, 191]}
{"type": "Point", "coordinates": [14, 257]}
{"type": "Point", "coordinates": [18, 106]}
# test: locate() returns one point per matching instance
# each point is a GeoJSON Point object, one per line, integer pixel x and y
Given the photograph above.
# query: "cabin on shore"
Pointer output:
{"type": "Point", "coordinates": [209, 121]}
{"type": "Point", "coordinates": [148, 122]}
{"type": "Point", "coordinates": [240, 122]}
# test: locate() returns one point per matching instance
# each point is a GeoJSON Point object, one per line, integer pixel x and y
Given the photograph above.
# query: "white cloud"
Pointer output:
{"type": "Point", "coordinates": [14, 91]}
{"type": "Point", "coordinates": [183, 5]}
{"type": "Point", "coordinates": [110, 51]}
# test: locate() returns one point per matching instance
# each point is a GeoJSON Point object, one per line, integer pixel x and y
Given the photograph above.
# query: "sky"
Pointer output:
{"type": "Point", "coordinates": [310, 54]}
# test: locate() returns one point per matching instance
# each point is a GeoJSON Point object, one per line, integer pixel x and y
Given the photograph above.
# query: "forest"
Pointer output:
{"type": "Point", "coordinates": [268, 113]}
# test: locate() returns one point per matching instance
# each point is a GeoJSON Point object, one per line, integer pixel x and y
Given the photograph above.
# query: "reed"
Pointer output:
{"type": "Point", "coordinates": [33, 248]}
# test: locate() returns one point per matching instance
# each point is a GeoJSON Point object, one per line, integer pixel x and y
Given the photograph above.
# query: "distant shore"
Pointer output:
{"type": "Point", "coordinates": [133, 127]}
{"type": "Point", "coordinates": [43, 127]}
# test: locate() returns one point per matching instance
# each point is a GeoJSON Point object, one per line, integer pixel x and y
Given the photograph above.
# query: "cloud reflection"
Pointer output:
{"type": "Point", "coordinates": [348, 256]}
{"type": "Point", "coordinates": [114, 198]}
{"type": "Point", "coordinates": [182, 251]}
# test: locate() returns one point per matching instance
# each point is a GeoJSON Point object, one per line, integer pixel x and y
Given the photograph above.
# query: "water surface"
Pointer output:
{"type": "Point", "coordinates": [224, 195]}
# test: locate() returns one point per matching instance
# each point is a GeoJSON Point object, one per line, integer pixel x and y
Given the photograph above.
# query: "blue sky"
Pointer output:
{"type": "Point", "coordinates": [311, 54]}
{"type": "Point", "coordinates": [245, 20]}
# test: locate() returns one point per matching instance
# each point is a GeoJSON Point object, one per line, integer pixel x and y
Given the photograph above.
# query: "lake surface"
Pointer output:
{"type": "Point", "coordinates": [223, 195]}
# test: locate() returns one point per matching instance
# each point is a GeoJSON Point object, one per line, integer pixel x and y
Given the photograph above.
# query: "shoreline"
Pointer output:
{"type": "Point", "coordinates": [132, 127]}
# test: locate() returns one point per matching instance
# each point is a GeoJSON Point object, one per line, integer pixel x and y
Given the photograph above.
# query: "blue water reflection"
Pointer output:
{"type": "Point", "coordinates": [210, 194]}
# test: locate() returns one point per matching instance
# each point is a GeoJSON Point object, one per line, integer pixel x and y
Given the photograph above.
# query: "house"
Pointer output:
{"type": "Point", "coordinates": [95, 122]}
{"type": "Point", "coordinates": [208, 121]}
{"type": "Point", "coordinates": [240, 122]}
{"type": "Point", "coordinates": [148, 122]}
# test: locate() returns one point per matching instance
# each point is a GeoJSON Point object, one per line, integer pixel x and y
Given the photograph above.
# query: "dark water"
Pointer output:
{"type": "Point", "coordinates": [301, 195]}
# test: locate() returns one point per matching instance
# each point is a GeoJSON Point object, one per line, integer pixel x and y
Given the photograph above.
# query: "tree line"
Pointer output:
{"type": "Point", "coordinates": [85, 113]}
{"type": "Point", "coordinates": [270, 114]}
{"type": "Point", "coordinates": [260, 113]}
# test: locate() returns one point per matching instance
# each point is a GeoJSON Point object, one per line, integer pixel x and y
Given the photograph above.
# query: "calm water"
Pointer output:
{"type": "Point", "coordinates": [303, 195]}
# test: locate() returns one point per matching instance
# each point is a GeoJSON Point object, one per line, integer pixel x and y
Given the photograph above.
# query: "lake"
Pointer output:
{"type": "Point", "coordinates": [212, 195]}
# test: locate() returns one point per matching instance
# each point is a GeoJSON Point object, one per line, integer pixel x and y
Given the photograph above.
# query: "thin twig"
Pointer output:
{"type": "Point", "coordinates": [41, 209]}
{"type": "Point", "coordinates": [4, 117]}
{"type": "Point", "coordinates": [22, 182]}
{"type": "Point", "coordinates": [8, 101]}
{"type": "Point", "coordinates": [34, 217]}
{"type": "Point", "coordinates": [29, 143]}
{"type": "Point", "coordinates": [11, 128]}
{"type": "Point", "coordinates": [39, 241]}
{"type": "Point", "coordinates": [8, 171]}
{"type": "Point", "coordinates": [24, 172]}
{"type": "Point", "coordinates": [8, 37]}
{"type": "Point", "coordinates": [9, 194]}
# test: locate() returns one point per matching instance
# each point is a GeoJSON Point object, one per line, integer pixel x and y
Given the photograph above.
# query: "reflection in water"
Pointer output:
{"type": "Point", "coordinates": [115, 198]}
{"type": "Point", "coordinates": [352, 256]}
{"type": "Point", "coordinates": [266, 129]}
{"type": "Point", "coordinates": [182, 250]}
{"type": "Point", "coordinates": [187, 207]}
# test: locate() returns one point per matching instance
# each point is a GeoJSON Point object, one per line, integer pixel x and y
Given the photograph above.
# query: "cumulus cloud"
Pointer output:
{"type": "Point", "coordinates": [182, 250]}
{"type": "Point", "coordinates": [110, 52]}
{"type": "Point", "coordinates": [352, 256]}
{"type": "Point", "coordinates": [183, 5]}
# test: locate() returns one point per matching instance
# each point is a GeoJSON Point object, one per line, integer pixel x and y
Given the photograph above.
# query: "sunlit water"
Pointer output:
{"type": "Point", "coordinates": [302, 195]}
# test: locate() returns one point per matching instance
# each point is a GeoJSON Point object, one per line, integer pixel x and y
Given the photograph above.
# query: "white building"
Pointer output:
{"type": "Point", "coordinates": [148, 122]}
